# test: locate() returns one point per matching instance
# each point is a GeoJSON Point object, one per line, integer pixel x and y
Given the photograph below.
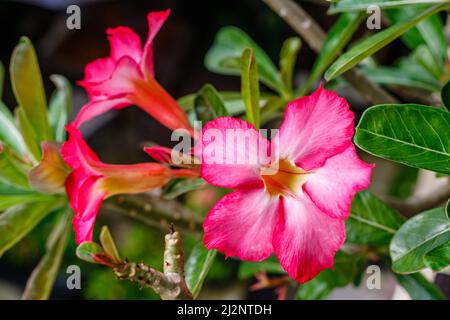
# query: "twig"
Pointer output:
{"type": "Point", "coordinates": [171, 284]}
{"type": "Point", "coordinates": [417, 204]}
{"type": "Point", "coordinates": [156, 212]}
{"type": "Point", "coordinates": [313, 34]}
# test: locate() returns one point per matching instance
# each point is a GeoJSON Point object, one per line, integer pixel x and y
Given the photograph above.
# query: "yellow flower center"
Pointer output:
{"type": "Point", "coordinates": [283, 178]}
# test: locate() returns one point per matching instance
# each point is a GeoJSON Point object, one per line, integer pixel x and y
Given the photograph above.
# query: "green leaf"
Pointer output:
{"type": "Point", "coordinates": [39, 285]}
{"type": "Point", "coordinates": [11, 171]}
{"type": "Point", "coordinates": [423, 56]}
{"type": "Point", "coordinates": [438, 258]}
{"type": "Point", "coordinates": [376, 42]}
{"type": "Point", "coordinates": [108, 245]}
{"type": "Point", "coordinates": [361, 5]}
{"type": "Point", "coordinates": [29, 135]}
{"type": "Point", "coordinates": [250, 86]}
{"type": "Point", "coordinates": [414, 135]}
{"type": "Point", "coordinates": [337, 38]}
{"type": "Point", "coordinates": [419, 288]}
{"type": "Point", "coordinates": [209, 105]}
{"type": "Point", "coordinates": [9, 133]}
{"type": "Point", "coordinates": [288, 57]}
{"type": "Point", "coordinates": [248, 269]}
{"type": "Point", "coordinates": [60, 106]}
{"type": "Point", "coordinates": [371, 221]}
{"type": "Point", "coordinates": [18, 221]}
{"type": "Point", "coordinates": [225, 54]}
{"type": "Point", "coordinates": [88, 251]}
{"type": "Point", "coordinates": [8, 190]}
{"type": "Point", "coordinates": [182, 186]}
{"type": "Point", "coordinates": [7, 201]}
{"type": "Point", "coordinates": [197, 267]}
{"type": "Point", "coordinates": [346, 268]}
{"type": "Point", "coordinates": [28, 88]}
{"type": "Point", "coordinates": [418, 236]}
{"type": "Point", "coordinates": [445, 96]}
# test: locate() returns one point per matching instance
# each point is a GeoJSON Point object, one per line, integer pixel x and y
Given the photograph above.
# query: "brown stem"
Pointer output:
{"type": "Point", "coordinates": [313, 34]}
{"type": "Point", "coordinates": [156, 212]}
{"type": "Point", "coordinates": [417, 204]}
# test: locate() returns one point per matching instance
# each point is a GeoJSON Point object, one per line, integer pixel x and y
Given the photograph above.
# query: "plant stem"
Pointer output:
{"type": "Point", "coordinates": [313, 34]}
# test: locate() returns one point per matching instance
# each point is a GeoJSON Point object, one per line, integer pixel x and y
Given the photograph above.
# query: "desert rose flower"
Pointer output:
{"type": "Point", "coordinates": [92, 181]}
{"type": "Point", "coordinates": [298, 210]}
{"type": "Point", "coordinates": [127, 78]}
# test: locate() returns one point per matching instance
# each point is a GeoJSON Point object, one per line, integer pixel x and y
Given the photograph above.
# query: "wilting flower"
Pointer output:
{"type": "Point", "coordinates": [127, 78]}
{"type": "Point", "coordinates": [298, 210]}
{"type": "Point", "coordinates": [92, 181]}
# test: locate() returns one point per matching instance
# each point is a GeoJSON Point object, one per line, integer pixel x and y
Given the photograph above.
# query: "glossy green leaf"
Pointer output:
{"type": "Point", "coordinates": [197, 267]}
{"type": "Point", "coordinates": [40, 283]}
{"type": "Point", "coordinates": [414, 135]}
{"type": "Point", "coordinates": [250, 87]}
{"type": "Point", "coordinates": [438, 258]}
{"type": "Point", "coordinates": [424, 57]}
{"type": "Point", "coordinates": [8, 190]}
{"type": "Point", "coordinates": [9, 133]}
{"type": "Point", "coordinates": [11, 171]}
{"type": "Point", "coordinates": [376, 42]}
{"type": "Point", "coordinates": [248, 269]}
{"type": "Point", "coordinates": [346, 268]}
{"type": "Point", "coordinates": [371, 221]}
{"type": "Point", "coordinates": [182, 186]}
{"type": "Point", "coordinates": [337, 38]}
{"type": "Point", "coordinates": [18, 221]}
{"type": "Point", "coordinates": [225, 54]}
{"type": "Point", "coordinates": [28, 88]}
{"type": "Point", "coordinates": [361, 5]}
{"type": "Point", "coordinates": [420, 288]}
{"type": "Point", "coordinates": [29, 135]}
{"type": "Point", "coordinates": [209, 105]}
{"type": "Point", "coordinates": [288, 57]}
{"type": "Point", "coordinates": [445, 96]}
{"type": "Point", "coordinates": [60, 106]}
{"type": "Point", "coordinates": [417, 237]}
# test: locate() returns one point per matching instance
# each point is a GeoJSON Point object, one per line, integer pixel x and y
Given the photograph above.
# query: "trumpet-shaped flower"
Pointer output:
{"type": "Point", "coordinates": [294, 202]}
{"type": "Point", "coordinates": [127, 78]}
{"type": "Point", "coordinates": [92, 181]}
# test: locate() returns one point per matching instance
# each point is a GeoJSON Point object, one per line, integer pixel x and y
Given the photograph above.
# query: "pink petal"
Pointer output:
{"type": "Point", "coordinates": [305, 239]}
{"type": "Point", "coordinates": [160, 154]}
{"type": "Point", "coordinates": [315, 128]}
{"type": "Point", "coordinates": [227, 163]}
{"type": "Point", "coordinates": [155, 22]}
{"type": "Point", "coordinates": [98, 71]}
{"type": "Point", "coordinates": [122, 80]}
{"type": "Point", "coordinates": [124, 42]}
{"type": "Point", "coordinates": [241, 224]}
{"type": "Point", "coordinates": [333, 186]}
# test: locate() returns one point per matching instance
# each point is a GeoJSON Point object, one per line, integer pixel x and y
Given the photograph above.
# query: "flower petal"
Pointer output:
{"type": "Point", "coordinates": [305, 239]}
{"type": "Point", "coordinates": [241, 224]}
{"type": "Point", "coordinates": [124, 42]}
{"type": "Point", "coordinates": [333, 186]}
{"type": "Point", "coordinates": [97, 71]}
{"type": "Point", "coordinates": [232, 153]}
{"type": "Point", "coordinates": [155, 22]}
{"type": "Point", "coordinates": [315, 128]}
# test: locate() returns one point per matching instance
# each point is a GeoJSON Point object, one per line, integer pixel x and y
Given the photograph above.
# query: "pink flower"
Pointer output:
{"type": "Point", "coordinates": [297, 213]}
{"type": "Point", "coordinates": [126, 78]}
{"type": "Point", "coordinates": [92, 181]}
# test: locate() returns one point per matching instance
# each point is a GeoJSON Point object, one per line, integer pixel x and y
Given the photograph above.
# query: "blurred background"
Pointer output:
{"type": "Point", "coordinates": [180, 48]}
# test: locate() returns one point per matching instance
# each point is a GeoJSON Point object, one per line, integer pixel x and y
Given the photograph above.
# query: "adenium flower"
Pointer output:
{"type": "Point", "coordinates": [127, 78]}
{"type": "Point", "coordinates": [298, 212]}
{"type": "Point", "coordinates": [92, 181]}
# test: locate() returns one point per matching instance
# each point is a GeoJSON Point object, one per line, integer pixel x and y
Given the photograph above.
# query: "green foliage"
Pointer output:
{"type": "Point", "coordinates": [438, 258]}
{"type": "Point", "coordinates": [419, 288]}
{"type": "Point", "coordinates": [208, 104]}
{"type": "Point", "coordinates": [60, 106]}
{"type": "Point", "coordinates": [371, 221]}
{"type": "Point", "coordinates": [416, 238]}
{"type": "Point", "coordinates": [180, 187]}
{"type": "Point", "coordinates": [270, 265]}
{"type": "Point", "coordinates": [250, 86]}
{"type": "Point", "coordinates": [197, 267]}
{"type": "Point", "coordinates": [414, 135]}
{"type": "Point", "coordinates": [361, 5]}
{"type": "Point", "coordinates": [288, 56]}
